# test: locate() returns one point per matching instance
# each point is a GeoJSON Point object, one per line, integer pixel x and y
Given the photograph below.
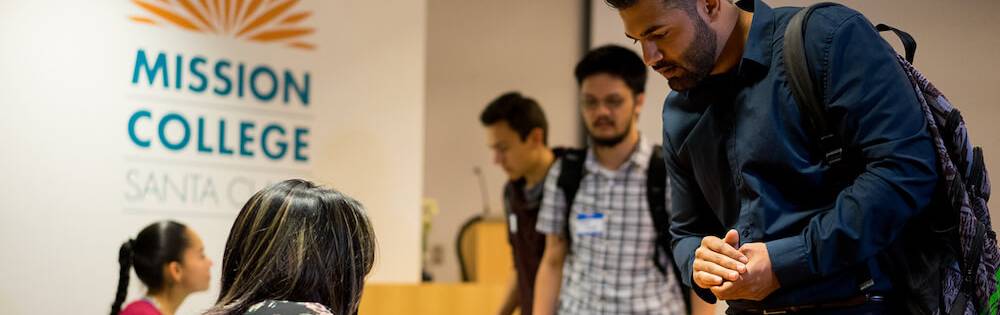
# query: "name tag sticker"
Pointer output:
{"type": "Point", "coordinates": [512, 223]}
{"type": "Point", "coordinates": [590, 224]}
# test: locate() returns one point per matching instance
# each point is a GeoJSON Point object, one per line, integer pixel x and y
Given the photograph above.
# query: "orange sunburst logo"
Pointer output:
{"type": "Point", "coordinates": [266, 21]}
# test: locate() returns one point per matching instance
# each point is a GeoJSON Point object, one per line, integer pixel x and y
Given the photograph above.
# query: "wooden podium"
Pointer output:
{"type": "Point", "coordinates": [490, 259]}
{"type": "Point", "coordinates": [490, 266]}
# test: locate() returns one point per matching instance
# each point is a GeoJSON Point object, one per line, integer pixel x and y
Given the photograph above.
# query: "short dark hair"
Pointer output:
{"type": "Point", "coordinates": [687, 5]}
{"type": "Point", "coordinates": [522, 114]}
{"type": "Point", "coordinates": [614, 60]}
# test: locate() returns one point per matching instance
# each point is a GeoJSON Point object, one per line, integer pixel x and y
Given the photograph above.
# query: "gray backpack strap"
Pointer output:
{"type": "Point", "coordinates": [810, 101]}
{"type": "Point", "coordinates": [803, 86]}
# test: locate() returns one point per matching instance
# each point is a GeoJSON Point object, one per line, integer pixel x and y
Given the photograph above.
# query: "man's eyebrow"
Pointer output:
{"type": "Point", "coordinates": [646, 32]}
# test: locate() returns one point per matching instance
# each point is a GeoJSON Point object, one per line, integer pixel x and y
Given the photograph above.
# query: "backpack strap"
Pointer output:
{"type": "Point", "coordinates": [656, 192]}
{"type": "Point", "coordinates": [803, 88]}
{"type": "Point", "coordinates": [909, 44]}
{"type": "Point", "coordinates": [656, 195]}
{"type": "Point", "coordinates": [570, 175]}
{"type": "Point", "coordinates": [810, 102]}
{"type": "Point", "coordinates": [970, 268]}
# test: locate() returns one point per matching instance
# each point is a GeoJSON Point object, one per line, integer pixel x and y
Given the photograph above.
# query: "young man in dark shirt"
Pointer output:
{"type": "Point", "coordinates": [517, 134]}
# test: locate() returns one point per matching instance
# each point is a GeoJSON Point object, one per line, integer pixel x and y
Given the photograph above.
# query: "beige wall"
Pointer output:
{"type": "Point", "coordinates": [477, 49]}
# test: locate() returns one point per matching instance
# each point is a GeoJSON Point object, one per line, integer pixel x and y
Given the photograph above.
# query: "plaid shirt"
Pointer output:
{"type": "Point", "coordinates": [612, 273]}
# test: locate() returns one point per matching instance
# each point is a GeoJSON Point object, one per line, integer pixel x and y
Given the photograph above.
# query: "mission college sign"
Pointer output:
{"type": "Point", "coordinates": [204, 132]}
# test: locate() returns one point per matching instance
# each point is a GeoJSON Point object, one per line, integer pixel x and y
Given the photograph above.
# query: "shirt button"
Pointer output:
{"type": "Point", "coordinates": [746, 234]}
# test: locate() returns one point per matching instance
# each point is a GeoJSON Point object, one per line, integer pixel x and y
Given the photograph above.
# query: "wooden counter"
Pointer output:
{"type": "Point", "coordinates": [431, 299]}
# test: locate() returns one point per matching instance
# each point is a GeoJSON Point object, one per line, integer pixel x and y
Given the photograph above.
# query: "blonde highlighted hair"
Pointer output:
{"type": "Point", "coordinates": [297, 241]}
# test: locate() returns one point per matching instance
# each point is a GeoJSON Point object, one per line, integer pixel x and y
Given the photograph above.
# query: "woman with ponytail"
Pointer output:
{"type": "Point", "coordinates": [169, 259]}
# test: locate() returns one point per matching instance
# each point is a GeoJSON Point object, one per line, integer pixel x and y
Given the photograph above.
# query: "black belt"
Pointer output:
{"type": "Point", "coordinates": [849, 302]}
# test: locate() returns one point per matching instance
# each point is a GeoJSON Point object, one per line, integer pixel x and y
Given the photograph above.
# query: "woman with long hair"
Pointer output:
{"type": "Point", "coordinates": [296, 248]}
{"type": "Point", "coordinates": [169, 259]}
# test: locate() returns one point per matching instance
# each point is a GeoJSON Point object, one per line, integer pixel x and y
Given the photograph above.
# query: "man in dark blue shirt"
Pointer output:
{"type": "Point", "coordinates": [758, 219]}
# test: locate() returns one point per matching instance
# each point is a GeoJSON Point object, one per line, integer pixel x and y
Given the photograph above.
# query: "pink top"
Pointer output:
{"type": "Point", "coordinates": [140, 307]}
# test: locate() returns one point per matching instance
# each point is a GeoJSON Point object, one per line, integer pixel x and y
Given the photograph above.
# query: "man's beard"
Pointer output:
{"type": "Point", "coordinates": [700, 55]}
{"type": "Point", "coordinates": [613, 140]}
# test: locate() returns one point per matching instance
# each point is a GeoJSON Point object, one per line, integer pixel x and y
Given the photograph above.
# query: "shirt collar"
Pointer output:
{"type": "Point", "coordinates": [639, 157]}
{"type": "Point", "coordinates": [757, 51]}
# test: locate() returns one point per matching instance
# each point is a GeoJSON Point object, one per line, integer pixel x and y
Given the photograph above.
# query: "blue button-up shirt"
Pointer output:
{"type": "Point", "coordinates": [740, 157]}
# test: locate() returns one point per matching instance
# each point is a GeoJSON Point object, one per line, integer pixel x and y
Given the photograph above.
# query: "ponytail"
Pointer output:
{"type": "Point", "coordinates": [125, 261]}
{"type": "Point", "coordinates": [155, 246]}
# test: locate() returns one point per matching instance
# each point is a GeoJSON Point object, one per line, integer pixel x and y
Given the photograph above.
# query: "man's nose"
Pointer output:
{"type": "Point", "coordinates": [650, 53]}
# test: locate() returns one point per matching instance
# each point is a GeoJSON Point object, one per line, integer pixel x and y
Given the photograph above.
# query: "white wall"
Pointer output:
{"type": "Point", "coordinates": [477, 50]}
{"type": "Point", "coordinates": [66, 96]}
{"type": "Point", "coordinates": [956, 49]}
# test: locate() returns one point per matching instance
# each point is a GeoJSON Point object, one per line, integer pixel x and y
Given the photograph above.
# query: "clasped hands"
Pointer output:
{"type": "Point", "coordinates": [734, 272]}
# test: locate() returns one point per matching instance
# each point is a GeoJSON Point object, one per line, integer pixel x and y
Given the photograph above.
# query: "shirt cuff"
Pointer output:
{"type": "Point", "coordinates": [705, 294]}
{"type": "Point", "coordinates": [789, 260]}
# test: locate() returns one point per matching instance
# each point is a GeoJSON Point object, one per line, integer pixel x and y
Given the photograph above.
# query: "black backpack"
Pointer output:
{"type": "Point", "coordinates": [571, 173]}
{"type": "Point", "coordinates": [945, 261]}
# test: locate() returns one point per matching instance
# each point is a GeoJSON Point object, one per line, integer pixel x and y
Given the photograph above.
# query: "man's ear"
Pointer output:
{"type": "Point", "coordinates": [537, 136]}
{"type": "Point", "coordinates": [640, 101]}
{"type": "Point", "coordinates": [711, 8]}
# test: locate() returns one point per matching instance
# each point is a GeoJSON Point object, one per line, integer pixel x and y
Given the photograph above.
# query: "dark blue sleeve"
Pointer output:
{"type": "Point", "coordinates": [691, 217]}
{"type": "Point", "coordinates": [875, 109]}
